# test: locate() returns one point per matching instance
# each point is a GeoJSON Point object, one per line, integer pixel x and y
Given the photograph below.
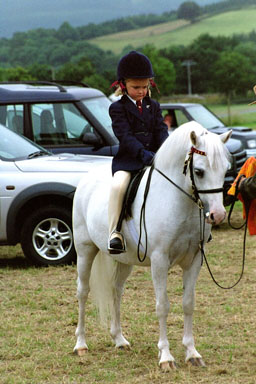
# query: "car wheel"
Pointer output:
{"type": "Point", "coordinates": [47, 238]}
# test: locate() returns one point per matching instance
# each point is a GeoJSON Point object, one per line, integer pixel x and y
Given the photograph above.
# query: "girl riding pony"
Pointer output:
{"type": "Point", "coordinates": [138, 124]}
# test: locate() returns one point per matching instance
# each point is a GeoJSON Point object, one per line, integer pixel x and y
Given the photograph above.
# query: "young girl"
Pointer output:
{"type": "Point", "coordinates": [138, 124]}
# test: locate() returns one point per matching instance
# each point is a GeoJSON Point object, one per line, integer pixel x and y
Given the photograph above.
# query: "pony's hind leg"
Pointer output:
{"type": "Point", "coordinates": [85, 259]}
{"type": "Point", "coordinates": [122, 273]}
{"type": "Point", "coordinates": [189, 282]}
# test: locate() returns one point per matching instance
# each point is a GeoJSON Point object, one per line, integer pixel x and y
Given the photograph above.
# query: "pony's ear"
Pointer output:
{"type": "Point", "coordinates": [193, 138]}
{"type": "Point", "coordinates": [225, 136]}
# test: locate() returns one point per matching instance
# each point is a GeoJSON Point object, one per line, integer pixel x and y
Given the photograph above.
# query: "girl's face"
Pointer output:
{"type": "Point", "coordinates": [137, 89]}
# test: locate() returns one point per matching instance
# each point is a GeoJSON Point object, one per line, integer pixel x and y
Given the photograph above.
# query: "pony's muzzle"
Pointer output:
{"type": "Point", "coordinates": [214, 219]}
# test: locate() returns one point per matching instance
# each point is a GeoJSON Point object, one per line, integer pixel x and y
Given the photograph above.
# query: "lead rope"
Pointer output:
{"type": "Point", "coordinates": [245, 224]}
{"type": "Point", "coordinates": [243, 263]}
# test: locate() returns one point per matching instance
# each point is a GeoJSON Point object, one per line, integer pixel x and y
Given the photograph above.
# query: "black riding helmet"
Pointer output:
{"type": "Point", "coordinates": [134, 65]}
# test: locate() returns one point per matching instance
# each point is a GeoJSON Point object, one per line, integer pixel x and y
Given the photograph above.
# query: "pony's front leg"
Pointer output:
{"type": "Point", "coordinates": [189, 281]}
{"type": "Point", "coordinates": [122, 273]}
{"type": "Point", "coordinates": [84, 265]}
{"type": "Point", "coordinates": [159, 275]}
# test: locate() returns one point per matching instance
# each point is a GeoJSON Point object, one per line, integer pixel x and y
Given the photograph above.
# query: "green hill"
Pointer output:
{"type": "Point", "coordinates": [181, 32]}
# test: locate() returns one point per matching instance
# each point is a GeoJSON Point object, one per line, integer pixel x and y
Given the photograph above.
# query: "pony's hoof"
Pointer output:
{"type": "Point", "coordinates": [81, 351]}
{"type": "Point", "coordinates": [125, 347]}
{"type": "Point", "coordinates": [196, 362]}
{"type": "Point", "coordinates": [167, 366]}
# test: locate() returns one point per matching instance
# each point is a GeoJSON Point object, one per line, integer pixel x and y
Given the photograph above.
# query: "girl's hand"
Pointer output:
{"type": "Point", "coordinates": [147, 156]}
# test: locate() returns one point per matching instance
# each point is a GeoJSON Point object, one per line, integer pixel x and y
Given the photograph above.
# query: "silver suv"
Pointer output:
{"type": "Point", "coordinates": [36, 196]}
{"type": "Point", "coordinates": [72, 119]}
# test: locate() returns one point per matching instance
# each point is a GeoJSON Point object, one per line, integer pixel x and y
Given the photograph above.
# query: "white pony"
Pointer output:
{"type": "Point", "coordinates": [172, 226]}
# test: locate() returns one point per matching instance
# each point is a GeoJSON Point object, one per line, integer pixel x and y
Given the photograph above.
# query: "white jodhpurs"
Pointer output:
{"type": "Point", "coordinates": [119, 186]}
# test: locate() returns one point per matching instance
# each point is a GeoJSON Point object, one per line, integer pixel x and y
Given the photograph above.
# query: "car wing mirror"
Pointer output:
{"type": "Point", "coordinates": [91, 138]}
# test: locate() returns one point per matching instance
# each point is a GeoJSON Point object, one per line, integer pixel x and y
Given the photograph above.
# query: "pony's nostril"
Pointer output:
{"type": "Point", "coordinates": [212, 216]}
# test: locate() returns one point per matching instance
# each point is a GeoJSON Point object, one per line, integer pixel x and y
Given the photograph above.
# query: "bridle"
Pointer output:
{"type": "Point", "coordinates": [196, 199]}
{"type": "Point", "coordinates": [189, 162]}
{"type": "Point", "coordinates": [195, 192]}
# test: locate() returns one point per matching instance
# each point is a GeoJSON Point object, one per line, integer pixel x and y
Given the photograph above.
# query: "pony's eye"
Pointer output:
{"type": "Point", "coordinates": [199, 172]}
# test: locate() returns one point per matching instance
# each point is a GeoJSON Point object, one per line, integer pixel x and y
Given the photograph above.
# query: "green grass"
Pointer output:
{"type": "Point", "coordinates": [241, 114]}
{"type": "Point", "coordinates": [38, 318]}
{"type": "Point", "coordinates": [181, 32]}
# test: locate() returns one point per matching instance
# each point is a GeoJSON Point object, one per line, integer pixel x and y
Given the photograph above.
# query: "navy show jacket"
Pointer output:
{"type": "Point", "coordinates": [136, 131]}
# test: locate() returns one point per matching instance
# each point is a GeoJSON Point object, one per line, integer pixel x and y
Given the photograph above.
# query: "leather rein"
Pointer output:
{"type": "Point", "coordinates": [196, 199]}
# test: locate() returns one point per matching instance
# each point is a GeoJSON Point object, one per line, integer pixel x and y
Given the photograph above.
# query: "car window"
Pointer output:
{"type": "Point", "coordinates": [181, 118]}
{"type": "Point", "coordinates": [14, 147]}
{"type": "Point", "coordinates": [169, 119]}
{"type": "Point", "coordinates": [12, 116]}
{"type": "Point", "coordinates": [99, 107]}
{"type": "Point", "coordinates": [204, 117]}
{"type": "Point", "coordinates": [177, 117]}
{"type": "Point", "coordinates": [59, 124]}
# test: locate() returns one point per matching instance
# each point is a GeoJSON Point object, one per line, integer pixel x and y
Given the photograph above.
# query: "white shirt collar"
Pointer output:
{"type": "Point", "coordinates": [134, 101]}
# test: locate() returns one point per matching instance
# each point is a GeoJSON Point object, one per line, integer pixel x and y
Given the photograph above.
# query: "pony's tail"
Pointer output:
{"type": "Point", "coordinates": [102, 285]}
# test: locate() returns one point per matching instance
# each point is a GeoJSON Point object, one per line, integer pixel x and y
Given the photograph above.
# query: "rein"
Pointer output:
{"type": "Point", "coordinates": [196, 199]}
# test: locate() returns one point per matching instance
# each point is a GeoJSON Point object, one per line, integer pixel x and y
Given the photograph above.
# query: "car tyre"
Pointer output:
{"type": "Point", "coordinates": [46, 236]}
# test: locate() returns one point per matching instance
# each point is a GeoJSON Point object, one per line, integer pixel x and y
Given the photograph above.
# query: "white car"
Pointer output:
{"type": "Point", "coordinates": [36, 197]}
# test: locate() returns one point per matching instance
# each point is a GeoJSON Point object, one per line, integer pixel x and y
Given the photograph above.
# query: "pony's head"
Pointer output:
{"type": "Point", "coordinates": [211, 160]}
{"type": "Point", "coordinates": [175, 149]}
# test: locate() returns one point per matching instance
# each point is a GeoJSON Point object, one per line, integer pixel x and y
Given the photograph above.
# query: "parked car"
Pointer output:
{"type": "Point", "coordinates": [75, 119]}
{"type": "Point", "coordinates": [36, 197]}
{"type": "Point", "coordinates": [70, 119]}
{"type": "Point", "coordinates": [183, 112]}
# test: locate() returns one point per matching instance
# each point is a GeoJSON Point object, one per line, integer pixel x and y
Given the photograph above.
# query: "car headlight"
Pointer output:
{"type": "Point", "coordinates": [251, 143]}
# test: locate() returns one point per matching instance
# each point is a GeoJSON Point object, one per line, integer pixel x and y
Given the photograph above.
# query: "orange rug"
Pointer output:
{"type": "Point", "coordinates": [248, 170]}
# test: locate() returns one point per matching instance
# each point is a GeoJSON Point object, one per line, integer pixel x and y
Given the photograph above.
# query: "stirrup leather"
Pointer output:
{"type": "Point", "coordinates": [114, 250]}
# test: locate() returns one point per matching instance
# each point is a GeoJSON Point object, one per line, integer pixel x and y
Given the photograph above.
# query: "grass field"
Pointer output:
{"type": "Point", "coordinates": [39, 314]}
{"type": "Point", "coordinates": [180, 32]}
{"type": "Point", "coordinates": [241, 114]}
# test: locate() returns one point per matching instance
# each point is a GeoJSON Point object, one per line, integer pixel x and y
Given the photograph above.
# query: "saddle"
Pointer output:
{"type": "Point", "coordinates": [130, 195]}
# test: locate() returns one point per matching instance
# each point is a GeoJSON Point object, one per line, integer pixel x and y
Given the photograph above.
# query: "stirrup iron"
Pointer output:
{"type": "Point", "coordinates": [115, 250]}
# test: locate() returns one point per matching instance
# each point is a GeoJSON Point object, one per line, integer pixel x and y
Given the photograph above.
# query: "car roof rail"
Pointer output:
{"type": "Point", "coordinates": [36, 82]}
{"type": "Point", "coordinates": [72, 82]}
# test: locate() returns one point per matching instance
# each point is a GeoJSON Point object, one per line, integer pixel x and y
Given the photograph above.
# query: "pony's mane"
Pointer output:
{"type": "Point", "coordinates": [177, 145]}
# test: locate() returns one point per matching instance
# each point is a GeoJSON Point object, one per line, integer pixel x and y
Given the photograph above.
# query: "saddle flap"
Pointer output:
{"type": "Point", "coordinates": [130, 196]}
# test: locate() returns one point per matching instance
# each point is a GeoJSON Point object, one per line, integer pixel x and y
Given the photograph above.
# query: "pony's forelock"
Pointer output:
{"type": "Point", "coordinates": [215, 150]}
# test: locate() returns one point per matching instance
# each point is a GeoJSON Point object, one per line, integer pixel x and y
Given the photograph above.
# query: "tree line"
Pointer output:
{"type": "Point", "coordinates": [220, 64]}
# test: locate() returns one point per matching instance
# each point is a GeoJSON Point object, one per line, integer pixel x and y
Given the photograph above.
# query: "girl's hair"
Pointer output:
{"type": "Point", "coordinates": [119, 91]}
